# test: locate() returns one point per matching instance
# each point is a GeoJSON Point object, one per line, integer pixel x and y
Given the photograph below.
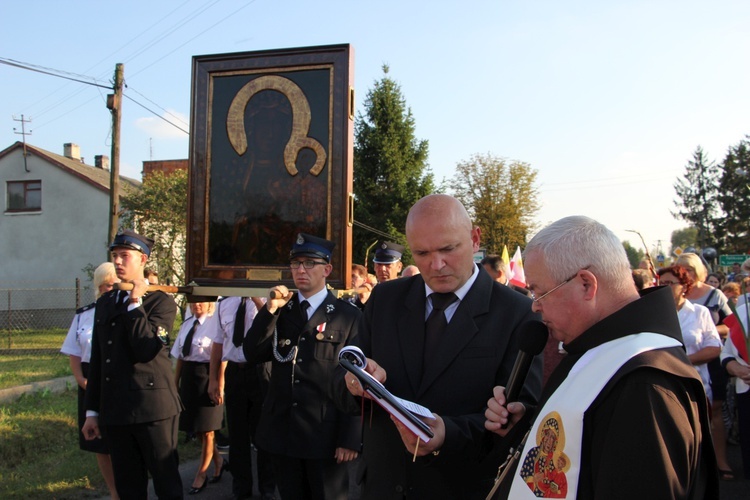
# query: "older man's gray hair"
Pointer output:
{"type": "Point", "coordinates": [579, 242]}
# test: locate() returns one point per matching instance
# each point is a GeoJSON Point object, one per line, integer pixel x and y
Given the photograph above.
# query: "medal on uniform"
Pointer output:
{"type": "Point", "coordinates": [321, 328]}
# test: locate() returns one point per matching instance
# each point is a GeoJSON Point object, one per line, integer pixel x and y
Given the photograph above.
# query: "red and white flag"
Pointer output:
{"type": "Point", "coordinates": [517, 276]}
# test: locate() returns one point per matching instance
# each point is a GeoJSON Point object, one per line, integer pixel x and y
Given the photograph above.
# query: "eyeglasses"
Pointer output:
{"type": "Point", "coordinates": [669, 283]}
{"type": "Point", "coordinates": [307, 264]}
{"type": "Point", "coordinates": [538, 299]}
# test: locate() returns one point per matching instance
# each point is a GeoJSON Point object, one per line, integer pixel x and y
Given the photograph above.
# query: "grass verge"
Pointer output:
{"type": "Point", "coordinates": [39, 455]}
{"type": "Point", "coordinates": [50, 338]}
{"type": "Point", "coordinates": [36, 356]}
{"type": "Point", "coordinates": [24, 369]}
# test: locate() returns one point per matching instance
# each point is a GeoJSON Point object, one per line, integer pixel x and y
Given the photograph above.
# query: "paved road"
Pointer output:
{"type": "Point", "coordinates": [730, 490]}
{"type": "Point", "coordinates": [738, 489]}
{"type": "Point", "coordinates": [223, 489]}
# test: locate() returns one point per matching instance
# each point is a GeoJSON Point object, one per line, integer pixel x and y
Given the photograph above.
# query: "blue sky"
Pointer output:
{"type": "Point", "coordinates": [606, 100]}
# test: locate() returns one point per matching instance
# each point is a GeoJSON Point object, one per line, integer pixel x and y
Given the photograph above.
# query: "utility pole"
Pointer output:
{"type": "Point", "coordinates": [23, 134]}
{"type": "Point", "coordinates": [114, 104]}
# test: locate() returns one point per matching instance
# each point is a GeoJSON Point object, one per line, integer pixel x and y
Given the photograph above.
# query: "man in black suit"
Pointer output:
{"type": "Point", "coordinates": [131, 396]}
{"type": "Point", "coordinates": [301, 333]}
{"type": "Point", "coordinates": [450, 370]}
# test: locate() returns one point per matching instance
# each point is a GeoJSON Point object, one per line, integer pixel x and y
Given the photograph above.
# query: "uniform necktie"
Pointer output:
{"type": "Point", "coordinates": [303, 307]}
{"type": "Point", "coordinates": [434, 327]}
{"type": "Point", "coordinates": [189, 339]}
{"type": "Point", "coordinates": [239, 324]}
{"type": "Point", "coordinates": [122, 295]}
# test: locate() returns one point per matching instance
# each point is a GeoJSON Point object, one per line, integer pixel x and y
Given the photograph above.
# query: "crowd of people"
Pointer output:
{"type": "Point", "coordinates": [627, 394]}
{"type": "Point", "coordinates": [713, 296]}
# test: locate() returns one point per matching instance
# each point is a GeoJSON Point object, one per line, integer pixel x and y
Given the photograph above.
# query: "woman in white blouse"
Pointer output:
{"type": "Point", "coordinates": [201, 416]}
{"type": "Point", "coordinates": [77, 345]}
{"type": "Point", "coordinates": [702, 341]}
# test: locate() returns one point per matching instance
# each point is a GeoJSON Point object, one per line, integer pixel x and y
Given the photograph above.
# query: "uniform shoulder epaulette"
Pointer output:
{"type": "Point", "coordinates": [85, 308]}
{"type": "Point", "coordinates": [345, 301]}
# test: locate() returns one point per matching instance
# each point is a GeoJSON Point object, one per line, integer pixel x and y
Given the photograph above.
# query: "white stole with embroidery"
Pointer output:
{"type": "Point", "coordinates": [551, 458]}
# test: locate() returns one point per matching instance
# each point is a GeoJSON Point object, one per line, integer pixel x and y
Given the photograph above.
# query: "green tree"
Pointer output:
{"type": "Point", "coordinates": [734, 199]}
{"type": "Point", "coordinates": [501, 198]}
{"type": "Point", "coordinates": [698, 193]}
{"type": "Point", "coordinates": [390, 166]}
{"type": "Point", "coordinates": [159, 210]}
{"type": "Point", "coordinates": [684, 238]}
{"type": "Point", "coordinates": [635, 255]}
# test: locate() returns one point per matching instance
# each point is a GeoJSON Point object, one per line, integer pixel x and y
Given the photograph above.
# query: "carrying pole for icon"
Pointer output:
{"type": "Point", "coordinates": [507, 466]}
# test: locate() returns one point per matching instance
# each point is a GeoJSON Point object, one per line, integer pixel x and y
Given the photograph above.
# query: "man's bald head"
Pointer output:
{"type": "Point", "coordinates": [439, 205]}
{"type": "Point", "coordinates": [442, 241]}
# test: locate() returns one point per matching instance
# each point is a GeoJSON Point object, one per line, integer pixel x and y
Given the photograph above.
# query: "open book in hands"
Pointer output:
{"type": "Point", "coordinates": [408, 413]}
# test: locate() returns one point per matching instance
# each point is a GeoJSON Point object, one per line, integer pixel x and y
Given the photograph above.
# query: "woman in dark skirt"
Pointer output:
{"type": "Point", "coordinates": [201, 416]}
{"type": "Point", "coordinates": [77, 345]}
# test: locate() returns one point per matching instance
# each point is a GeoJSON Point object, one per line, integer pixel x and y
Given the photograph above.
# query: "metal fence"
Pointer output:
{"type": "Point", "coordinates": [38, 318]}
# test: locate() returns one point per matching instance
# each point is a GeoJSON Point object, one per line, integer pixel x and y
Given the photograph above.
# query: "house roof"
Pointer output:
{"type": "Point", "coordinates": [97, 177]}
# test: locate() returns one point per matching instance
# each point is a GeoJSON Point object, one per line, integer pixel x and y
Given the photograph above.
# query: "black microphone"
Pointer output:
{"type": "Point", "coordinates": [533, 339]}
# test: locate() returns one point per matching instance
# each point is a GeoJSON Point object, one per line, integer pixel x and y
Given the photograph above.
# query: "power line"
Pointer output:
{"type": "Point", "coordinates": [49, 71]}
{"type": "Point", "coordinates": [65, 101]}
{"type": "Point", "coordinates": [196, 36]}
{"type": "Point", "coordinates": [64, 113]}
{"type": "Point", "coordinates": [66, 98]}
{"type": "Point", "coordinates": [94, 82]}
{"type": "Point", "coordinates": [142, 33]}
{"type": "Point", "coordinates": [59, 74]}
{"type": "Point", "coordinates": [169, 32]}
{"type": "Point", "coordinates": [373, 230]}
{"type": "Point", "coordinates": [156, 114]}
{"type": "Point", "coordinates": [155, 104]}
{"type": "Point", "coordinates": [31, 67]}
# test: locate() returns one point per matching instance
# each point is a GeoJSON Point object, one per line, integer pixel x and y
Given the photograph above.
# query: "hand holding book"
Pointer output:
{"type": "Point", "coordinates": [407, 413]}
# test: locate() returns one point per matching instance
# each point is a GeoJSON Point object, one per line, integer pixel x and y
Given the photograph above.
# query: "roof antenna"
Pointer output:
{"type": "Point", "coordinates": [23, 134]}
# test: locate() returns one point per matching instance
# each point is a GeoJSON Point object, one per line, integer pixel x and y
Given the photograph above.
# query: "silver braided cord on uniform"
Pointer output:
{"type": "Point", "coordinates": [282, 359]}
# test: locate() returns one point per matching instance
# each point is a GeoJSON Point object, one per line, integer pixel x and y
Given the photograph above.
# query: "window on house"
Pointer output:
{"type": "Point", "coordinates": [24, 196]}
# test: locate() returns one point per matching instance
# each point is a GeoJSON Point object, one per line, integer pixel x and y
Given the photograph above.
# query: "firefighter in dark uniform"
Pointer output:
{"type": "Point", "coordinates": [387, 260]}
{"type": "Point", "coordinates": [301, 333]}
{"type": "Point", "coordinates": [131, 396]}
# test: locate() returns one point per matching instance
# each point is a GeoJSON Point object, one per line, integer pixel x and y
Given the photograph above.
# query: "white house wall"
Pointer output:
{"type": "Point", "coordinates": [51, 247]}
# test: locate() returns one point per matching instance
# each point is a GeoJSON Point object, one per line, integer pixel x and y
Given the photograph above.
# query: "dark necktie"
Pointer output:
{"type": "Point", "coordinates": [434, 327]}
{"type": "Point", "coordinates": [239, 324]}
{"type": "Point", "coordinates": [121, 297]}
{"type": "Point", "coordinates": [303, 307]}
{"type": "Point", "coordinates": [189, 339]}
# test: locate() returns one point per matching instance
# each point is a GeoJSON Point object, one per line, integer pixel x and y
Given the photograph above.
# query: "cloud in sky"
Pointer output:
{"type": "Point", "coordinates": [158, 128]}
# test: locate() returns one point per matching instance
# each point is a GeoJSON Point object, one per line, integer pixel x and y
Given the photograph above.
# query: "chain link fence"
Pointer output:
{"type": "Point", "coordinates": [36, 318]}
